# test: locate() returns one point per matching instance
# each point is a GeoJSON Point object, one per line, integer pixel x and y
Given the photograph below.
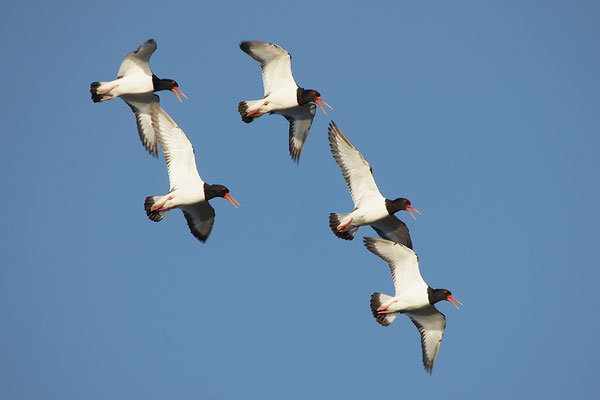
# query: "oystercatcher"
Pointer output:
{"type": "Point", "coordinates": [413, 297]}
{"type": "Point", "coordinates": [370, 207]}
{"type": "Point", "coordinates": [135, 85]}
{"type": "Point", "coordinates": [282, 95]}
{"type": "Point", "coordinates": [188, 191]}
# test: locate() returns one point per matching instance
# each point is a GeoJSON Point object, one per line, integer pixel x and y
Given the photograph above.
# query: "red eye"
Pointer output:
{"type": "Point", "coordinates": [445, 291]}
{"type": "Point", "coordinates": [314, 93]}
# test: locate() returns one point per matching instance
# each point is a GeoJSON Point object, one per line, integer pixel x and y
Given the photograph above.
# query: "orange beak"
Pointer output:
{"type": "Point", "coordinates": [319, 101]}
{"type": "Point", "coordinates": [175, 90]}
{"type": "Point", "coordinates": [450, 298]}
{"type": "Point", "coordinates": [231, 200]}
{"type": "Point", "coordinates": [409, 207]}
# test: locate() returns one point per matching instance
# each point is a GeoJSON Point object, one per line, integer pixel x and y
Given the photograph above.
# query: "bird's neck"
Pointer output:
{"type": "Point", "coordinates": [435, 295]}
{"type": "Point", "coordinates": [301, 98]}
{"type": "Point", "coordinates": [155, 82]}
{"type": "Point", "coordinates": [391, 207]}
{"type": "Point", "coordinates": [209, 192]}
{"type": "Point", "coordinates": [159, 84]}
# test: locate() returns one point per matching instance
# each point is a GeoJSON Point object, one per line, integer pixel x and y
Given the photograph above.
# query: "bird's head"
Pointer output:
{"type": "Point", "coordinates": [212, 191]}
{"type": "Point", "coordinates": [401, 204]}
{"type": "Point", "coordinates": [311, 95]}
{"type": "Point", "coordinates": [167, 84]}
{"type": "Point", "coordinates": [436, 295]}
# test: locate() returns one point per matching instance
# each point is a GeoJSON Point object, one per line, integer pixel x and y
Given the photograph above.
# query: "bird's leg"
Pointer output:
{"type": "Point", "coordinates": [344, 228]}
{"type": "Point", "coordinates": [256, 113]}
{"type": "Point", "coordinates": [107, 90]}
{"type": "Point", "coordinates": [384, 309]}
{"type": "Point", "coordinates": [158, 207]}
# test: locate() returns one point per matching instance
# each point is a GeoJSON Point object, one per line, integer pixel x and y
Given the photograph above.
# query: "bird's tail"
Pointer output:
{"type": "Point", "coordinates": [335, 220]}
{"type": "Point", "coordinates": [377, 299]}
{"type": "Point", "coordinates": [154, 215]}
{"type": "Point", "coordinates": [100, 91]}
{"type": "Point", "coordinates": [249, 110]}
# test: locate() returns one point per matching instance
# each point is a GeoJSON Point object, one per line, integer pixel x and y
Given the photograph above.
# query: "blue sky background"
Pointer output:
{"type": "Point", "coordinates": [483, 114]}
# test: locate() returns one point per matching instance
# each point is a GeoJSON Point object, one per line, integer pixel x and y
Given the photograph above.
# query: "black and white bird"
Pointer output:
{"type": "Point", "coordinates": [370, 207]}
{"type": "Point", "coordinates": [188, 191]}
{"type": "Point", "coordinates": [282, 95]}
{"type": "Point", "coordinates": [413, 297]}
{"type": "Point", "coordinates": [135, 85]}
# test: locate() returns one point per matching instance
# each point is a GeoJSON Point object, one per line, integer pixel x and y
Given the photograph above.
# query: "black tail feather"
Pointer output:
{"type": "Point", "coordinates": [334, 222]}
{"type": "Point", "coordinates": [243, 109]}
{"type": "Point", "coordinates": [94, 91]}
{"type": "Point", "coordinates": [153, 215]}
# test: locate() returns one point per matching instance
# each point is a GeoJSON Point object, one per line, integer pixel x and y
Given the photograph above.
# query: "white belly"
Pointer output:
{"type": "Point", "coordinates": [410, 300]}
{"type": "Point", "coordinates": [281, 99]}
{"type": "Point", "coordinates": [132, 85]}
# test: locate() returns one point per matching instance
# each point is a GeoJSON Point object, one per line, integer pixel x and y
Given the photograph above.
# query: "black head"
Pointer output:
{"type": "Point", "coordinates": [163, 84]}
{"type": "Point", "coordinates": [212, 191]}
{"type": "Point", "coordinates": [401, 204]}
{"type": "Point", "coordinates": [167, 84]}
{"type": "Point", "coordinates": [305, 96]}
{"type": "Point", "coordinates": [436, 295]}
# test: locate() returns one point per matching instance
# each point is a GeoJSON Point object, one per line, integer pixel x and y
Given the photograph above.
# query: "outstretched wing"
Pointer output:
{"type": "Point", "coordinates": [138, 61]}
{"type": "Point", "coordinates": [200, 218]}
{"type": "Point", "coordinates": [300, 119]}
{"type": "Point", "coordinates": [431, 324]}
{"type": "Point", "coordinates": [178, 151]}
{"type": "Point", "coordinates": [276, 64]}
{"type": "Point", "coordinates": [141, 105]}
{"type": "Point", "coordinates": [404, 263]}
{"type": "Point", "coordinates": [393, 229]}
{"type": "Point", "coordinates": [356, 170]}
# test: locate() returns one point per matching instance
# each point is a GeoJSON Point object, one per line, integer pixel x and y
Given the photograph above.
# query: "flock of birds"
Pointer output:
{"type": "Point", "coordinates": [136, 85]}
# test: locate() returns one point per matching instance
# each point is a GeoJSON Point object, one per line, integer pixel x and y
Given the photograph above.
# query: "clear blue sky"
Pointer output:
{"type": "Point", "coordinates": [484, 114]}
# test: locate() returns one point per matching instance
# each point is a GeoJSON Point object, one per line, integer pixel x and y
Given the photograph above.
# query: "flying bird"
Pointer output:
{"type": "Point", "coordinates": [188, 191]}
{"type": "Point", "coordinates": [282, 95]}
{"type": "Point", "coordinates": [370, 207]}
{"type": "Point", "coordinates": [413, 297]}
{"type": "Point", "coordinates": [135, 85]}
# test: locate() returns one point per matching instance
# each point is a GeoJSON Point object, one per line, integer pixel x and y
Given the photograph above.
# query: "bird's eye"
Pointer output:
{"type": "Point", "coordinates": [314, 93]}
{"type": "Point", "coordinates": [445, 291]}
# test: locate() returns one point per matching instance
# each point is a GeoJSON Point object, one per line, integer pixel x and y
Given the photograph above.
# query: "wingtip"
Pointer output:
{"type": "Point", "coordinates": [245, 46]}
{"type": "Point", "coordinates": [370, 243]}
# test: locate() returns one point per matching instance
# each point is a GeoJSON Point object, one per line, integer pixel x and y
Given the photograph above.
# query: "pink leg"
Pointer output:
{"type": "Point", "coordinates": [344, 228]}
{"type": "Point", "coordinates": [256, 113]}
{"type": "Point", "coordinates": [384, 309]}
{"type": "Point", "coordinates": [107, 90]}
{"type": "Point", "coordinates": [158, 207]}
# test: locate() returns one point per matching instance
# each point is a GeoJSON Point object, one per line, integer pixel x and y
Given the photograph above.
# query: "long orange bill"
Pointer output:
{"type": "Point", "coordinates": [231, 200]}
{"type": "Point", "coordinates": [450, 298]}
{"type": "Point", "coordinates": [409, 207]}
{"type": "Point", "coordinates": [175, 90]}
{"type": "Point", "coordinates": [319, 101]}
